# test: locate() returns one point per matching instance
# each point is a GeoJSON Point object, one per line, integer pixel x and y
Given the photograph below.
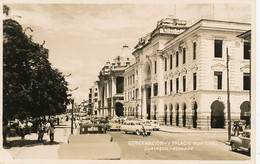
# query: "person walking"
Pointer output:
{"type": "Point", "coordinates": [51, 131]}
{"type": "Point", "coordinates": [22, 129]}
{"type": "Point", "coordinates": [40, 131]}
{"type": "Point", "coordinates": [30, 124]}
{"type": "Point", "coordinates": [144, 131]}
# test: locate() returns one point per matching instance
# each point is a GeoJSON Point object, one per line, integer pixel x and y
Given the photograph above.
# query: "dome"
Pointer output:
{"type": "Point", "coordinates": [125, 53]}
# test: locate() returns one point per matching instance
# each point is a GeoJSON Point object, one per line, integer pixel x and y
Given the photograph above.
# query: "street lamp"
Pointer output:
{"type": "Point", "coordinates": [228, 99]}
{"type": "Point", "coordinates": [72, 102]}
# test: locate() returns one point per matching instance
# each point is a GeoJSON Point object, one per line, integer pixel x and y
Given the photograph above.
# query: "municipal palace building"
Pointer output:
{"type": "Point", "coordinates": [178, 75]}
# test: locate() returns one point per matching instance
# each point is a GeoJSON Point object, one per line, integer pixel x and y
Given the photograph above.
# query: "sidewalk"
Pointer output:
{"type": "Point", "coordinates": [175, 129]}
{"type": "Point", "coordinates": [31, 148]}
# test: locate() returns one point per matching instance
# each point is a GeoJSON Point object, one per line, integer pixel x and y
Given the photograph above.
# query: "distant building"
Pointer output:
{"type": "Point", "coordinates": [111, 84]}
{"type": "Point", "coordinates": [93, 99]}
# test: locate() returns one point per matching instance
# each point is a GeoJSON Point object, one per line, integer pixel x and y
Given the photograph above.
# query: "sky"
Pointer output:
{"type": "Point", "coordinates": [82, 37]}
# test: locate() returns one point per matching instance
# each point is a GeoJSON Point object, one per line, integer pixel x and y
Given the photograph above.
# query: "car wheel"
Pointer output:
{"type": "Point", "coordinates": [137, 132]}
{"type": "Point", "coordinates": [125, 132]}
{"type": "Point", "coordinates": [233, 148]}
{"type": "Point", "coordinates": [249, 151]}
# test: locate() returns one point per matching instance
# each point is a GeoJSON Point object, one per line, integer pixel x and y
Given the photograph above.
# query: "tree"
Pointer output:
{"type": "Point", "coordinates": [31, 87]}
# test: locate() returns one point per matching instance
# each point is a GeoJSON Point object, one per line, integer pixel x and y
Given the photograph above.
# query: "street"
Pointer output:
{"type": "Point", "coordinates": [176, 146]}
{"type": "Point", "coordinates": [159, 146]}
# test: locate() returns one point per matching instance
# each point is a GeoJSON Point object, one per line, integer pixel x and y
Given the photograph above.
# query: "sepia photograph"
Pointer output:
{"type": "Point", "coordinates": [95, 81]}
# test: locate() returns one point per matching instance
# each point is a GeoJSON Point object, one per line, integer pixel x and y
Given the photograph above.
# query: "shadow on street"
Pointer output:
{"type": "Point", "coordinates": [241, 152]}
{"type": "Point", "coordinates": [28, 143]}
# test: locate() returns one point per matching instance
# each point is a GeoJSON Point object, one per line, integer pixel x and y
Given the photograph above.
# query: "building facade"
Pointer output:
{"type": "Point", "coordinates": [179, 75]}
{"type": "Point", "coordinates": [111, 84]}
{"type": "Point", "coordinates": [182, 79]}
{"type": "Point", "coordinates": [93, 99]}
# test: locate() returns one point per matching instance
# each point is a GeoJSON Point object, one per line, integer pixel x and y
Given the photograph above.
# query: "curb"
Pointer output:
{"type": "Point", "coordinates": [169, 131]}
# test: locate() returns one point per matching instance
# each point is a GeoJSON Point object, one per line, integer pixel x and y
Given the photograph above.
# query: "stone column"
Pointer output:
{"type": "Point", "coordinates": [144, 105]}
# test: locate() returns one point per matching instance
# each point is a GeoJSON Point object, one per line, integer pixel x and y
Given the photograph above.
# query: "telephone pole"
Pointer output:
{"type": "Point", "coordinates": [228, 99]}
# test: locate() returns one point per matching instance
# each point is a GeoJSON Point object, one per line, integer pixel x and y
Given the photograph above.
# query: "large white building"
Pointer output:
{"type": "Point", "coordinates": [181, 79]}
{"type": "Point", "coordinates": [179, 75]}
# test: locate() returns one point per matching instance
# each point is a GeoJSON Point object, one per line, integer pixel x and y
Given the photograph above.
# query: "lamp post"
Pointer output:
{"type": "Point", "coordinates": [72, 108]}
{"type": "Point", "coordinates": [71, 130]}
{"type": "Point", "coordinates": [228, 100]}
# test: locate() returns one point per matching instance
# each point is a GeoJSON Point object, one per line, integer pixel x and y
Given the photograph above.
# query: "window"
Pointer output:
{"type": "Point", "coordinates": [165, 64]}
{"type": "Point", "coordinates": [177, 85]}
{"type": "Point", "coordinates": [194, 50]}
{"type": "Point", "coordinates": [133, 94]}
{"type": "Point", "coordinates": [170, 86]}
{"type": "Point", "coordinates": [246, 50]}
{"type": "Point", "coordinates": [155, 89]}
{"type": "Point", "coordinates": [133, 79]}
{"type": "Point", "coordinates": [96, 89]}
{"type": "Point", "coordinates": [246, 81]}
{"type": "Point", "coordinates": [119, 84]}
{"type": "Point", "coordinates": [137, 93]}
{"type": "Point", "coordinates": [184, 56]}
{"type": "Point", "coordinates": [218, 80]}
{"type": "Point", "coordinates": [184, 83]}
{"type": "Point", "coordinates": [170, 61]}
{"type": "Point", "coordinates": [96, 94]}
{"type": "Point", "coordinates": [194, 81]}
{"type": "Point", "coordinates": [165, 87]}
{"type": "Point", "coordinates": [177, 59]}
{"type": "Point", "coordinates": [155, 65]}
{"type": "Point", "coordinates": [218, 49]}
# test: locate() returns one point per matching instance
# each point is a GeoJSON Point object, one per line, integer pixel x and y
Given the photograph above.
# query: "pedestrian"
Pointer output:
{"type": "Point", "coordinates": [30, 124]}
{"type": "Point", "coordinates": [144, 131]}
{"type": "Point", "coordinates": [51, 131]}
{"type": "Point", "coordinates": [58, 120]}
{"type": "Point", "coordinates": [22, 129]}
{"type": "Point", "coordinates": [48, 127]}
{"type": "Point", "coordinates": [40, 131]}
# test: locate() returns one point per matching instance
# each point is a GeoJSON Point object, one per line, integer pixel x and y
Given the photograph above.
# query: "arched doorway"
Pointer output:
{"type": "Point", "coordinates": [217, 115]}
{"type": "Point", "coordinates": [184, 115]}
{"type": "Point", "coordinates": [171, 108]}
{"type": "Point", "coordinates": [245, 112]}
{"type": "Point", "coordinates": [177, 114]}
{"type": "Point", "coordinates": [165, 114]}
{"type": "Point", "coordinates": [119, 109]}
{"type": "Point", "coordinates": [154, 116]}
{"type": "Point", "coordinates": [194, 115]}
{"type": "Point", "coordinates": [136, 112]}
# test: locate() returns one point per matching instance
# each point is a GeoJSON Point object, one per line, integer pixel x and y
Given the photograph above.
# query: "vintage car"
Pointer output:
{"type": "Point", "coordinates": [135, 127]}
{"type": "Point", "coordinates": [114, 125]}
{"type": "Point", "coordinates": [93, 143]}
{"type": "Point", "coordinates": [241, 142]}
{"type": "Point", "coordinates": [155, 125]}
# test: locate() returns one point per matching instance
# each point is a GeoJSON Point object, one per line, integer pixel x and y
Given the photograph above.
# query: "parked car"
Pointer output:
{"type": "Point", "coordinates": [155, 125]}
{"type": "Point", "coordinates": [241, 142]}
{"type": "Point", "coordinates": [113, 125]}
{"type": "Point", "coordinates": [135, 127]}
{"type": "Point", "coordinates": [93, 143]}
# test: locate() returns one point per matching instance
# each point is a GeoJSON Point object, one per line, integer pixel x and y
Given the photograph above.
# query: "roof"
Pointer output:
{"type": "Point", "coordinates": [246, 35]}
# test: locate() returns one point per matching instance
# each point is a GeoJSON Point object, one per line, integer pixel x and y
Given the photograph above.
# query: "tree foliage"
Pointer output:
{"type": "Point", "coordinates": [31, 87]}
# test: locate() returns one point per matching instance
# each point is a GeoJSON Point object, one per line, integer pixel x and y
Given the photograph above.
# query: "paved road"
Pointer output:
{"type": "Point", "coordinates": [176, 146]}
{"type": "Point", "coordinates": [160, 146]}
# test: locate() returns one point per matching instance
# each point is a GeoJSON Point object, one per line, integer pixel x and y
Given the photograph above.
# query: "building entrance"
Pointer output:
{"type": "Point", "coordinates": [194, 116]}
{"type": "Point", "coordinates": [217, 115]}
{"type": "Point", "coordinates": [119, 109]}
{"type": "Point", "coordinates": [245, 112]}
